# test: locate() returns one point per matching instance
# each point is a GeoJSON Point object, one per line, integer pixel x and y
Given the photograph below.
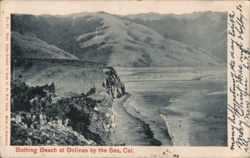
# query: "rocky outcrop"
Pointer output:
{"type": "Point", "coordinates": [113, 83]}
{"type": "Point", "coordinates": [40, 117]}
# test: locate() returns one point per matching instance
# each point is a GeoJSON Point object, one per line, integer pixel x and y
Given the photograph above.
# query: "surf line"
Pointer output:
{"type": "Point", "coordinates": [146, 126]}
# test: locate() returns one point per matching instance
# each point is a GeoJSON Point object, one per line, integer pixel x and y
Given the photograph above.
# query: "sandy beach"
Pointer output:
{"type": "Point", "coordinates": [181, 107]}
{"type": "Point", "coordinates": [128, 129]}
{"type": "Point", "coordinates": [190, 119]}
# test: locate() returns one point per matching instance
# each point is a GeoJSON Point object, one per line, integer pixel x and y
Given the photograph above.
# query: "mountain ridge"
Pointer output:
{"type": "Point", "coordinates": [115, 40]}
{"type": "Point", "coordinates": [199, 29]}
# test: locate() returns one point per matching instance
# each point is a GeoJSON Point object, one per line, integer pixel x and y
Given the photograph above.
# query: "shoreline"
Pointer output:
{"type": "Point", "coordinates": [143, 135]}
{"type": "Point", "coordinates": [158, 133]}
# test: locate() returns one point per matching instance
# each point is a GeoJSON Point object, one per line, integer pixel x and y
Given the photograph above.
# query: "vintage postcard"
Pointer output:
{"type": "Point", "coordinates": [167, 79]}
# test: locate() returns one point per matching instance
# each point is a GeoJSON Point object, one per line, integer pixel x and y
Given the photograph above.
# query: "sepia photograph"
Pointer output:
{"type": "Point", "coordinates": [124, 79]}
{"type": "Point", "coordinates": [98, 78]}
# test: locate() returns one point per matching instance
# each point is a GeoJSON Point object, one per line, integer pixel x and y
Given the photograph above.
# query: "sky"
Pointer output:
{"type": "Point", "coordinates": [114, 7]}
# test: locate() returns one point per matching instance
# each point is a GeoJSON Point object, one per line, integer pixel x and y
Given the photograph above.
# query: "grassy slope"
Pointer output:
{"type": "Point", "coordinates": [107, 38]}
{"type": "Point", "coordinates": [29, 46]}
{"type": "Point", "coordinates": [207, 30]}
{"type": "Point", "coordinates": [67, 78]}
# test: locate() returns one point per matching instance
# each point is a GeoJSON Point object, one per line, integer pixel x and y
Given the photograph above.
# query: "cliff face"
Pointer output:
{"type": "Point", "coordinates": [40, 117]}
{"type": "Point", "coordinates": [113, 83]}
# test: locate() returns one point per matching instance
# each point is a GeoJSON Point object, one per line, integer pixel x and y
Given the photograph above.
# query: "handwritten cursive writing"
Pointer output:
{"type": "Point", "coordinates": [238, 106]}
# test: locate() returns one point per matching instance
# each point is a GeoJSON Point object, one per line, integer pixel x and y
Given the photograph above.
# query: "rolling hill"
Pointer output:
{"type": "Point", "coordinates": [29, 46]}
{"type": "Point", "coordinates": [125, 41]}
{"type": "Point", "coordinates": [207, 30]}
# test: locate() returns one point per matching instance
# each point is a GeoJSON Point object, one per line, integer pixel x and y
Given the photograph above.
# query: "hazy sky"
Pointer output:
{"type": "Point", "coordinates": [115, 7]}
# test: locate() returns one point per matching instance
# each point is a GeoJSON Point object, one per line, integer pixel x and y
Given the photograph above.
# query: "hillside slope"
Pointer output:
{"type": "Point", "coordinates": [29, 46]}
{"type": "Point", "coordinates": [206, 30]}
{"type": "Point", "coordinates": [41, 116]}
{"type": "Point", "coordinates": [115, 40]}
{"type": "Point", "coordinates": [131, 44]}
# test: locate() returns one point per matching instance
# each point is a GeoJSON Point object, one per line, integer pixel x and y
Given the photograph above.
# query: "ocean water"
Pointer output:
{"type": "Point", "coordinates": [181, 106]}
